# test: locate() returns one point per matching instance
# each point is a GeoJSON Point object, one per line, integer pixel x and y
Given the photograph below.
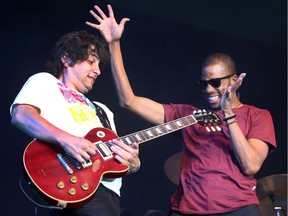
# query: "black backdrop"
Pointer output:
{"type": "Point", "coordinates": [163, 57]}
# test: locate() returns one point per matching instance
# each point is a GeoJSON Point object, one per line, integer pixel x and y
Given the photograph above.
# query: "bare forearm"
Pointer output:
{"type": "Point", "coordinates": [146, 108]}
{"type": "Point", "coordinates": [28, 120]}
{"type": "Point", "coordinates": [123, 87]}
{"type": "Point", "coordinates": [250, 154]}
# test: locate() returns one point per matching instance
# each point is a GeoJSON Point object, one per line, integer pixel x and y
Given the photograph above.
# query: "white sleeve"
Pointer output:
{"type": "Point", "coordinates": [35, 91]}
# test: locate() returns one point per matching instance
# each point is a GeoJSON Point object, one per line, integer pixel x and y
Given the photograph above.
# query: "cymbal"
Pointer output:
{"type": "Point", "coordinates": [272, 192]}
{"type": "Point", "coordinates": [172, 168]}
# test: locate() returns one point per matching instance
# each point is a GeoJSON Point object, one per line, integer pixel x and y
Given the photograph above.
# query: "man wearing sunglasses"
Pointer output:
{"type": "Point", "coordinates": [217, 168]}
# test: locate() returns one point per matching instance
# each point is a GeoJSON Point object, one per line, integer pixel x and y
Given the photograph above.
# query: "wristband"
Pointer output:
{"type": "Point", "coordinates": [136, 169]}
{"type": "Point", "coordinates": [229, 117]}
{"type": "Point", "coordinates": [231, 122]}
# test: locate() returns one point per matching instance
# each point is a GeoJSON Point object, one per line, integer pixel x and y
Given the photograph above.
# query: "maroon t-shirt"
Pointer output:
{"type": "Point", "coordinates": [211, 179]}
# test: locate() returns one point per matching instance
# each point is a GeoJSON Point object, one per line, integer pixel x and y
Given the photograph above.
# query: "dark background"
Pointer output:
{"type": "Point", "coordinates": [164, 46]}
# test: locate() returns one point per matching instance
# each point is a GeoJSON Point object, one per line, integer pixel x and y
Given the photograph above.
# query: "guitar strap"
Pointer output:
{"type": "Point", "coordinates": [102, 116]}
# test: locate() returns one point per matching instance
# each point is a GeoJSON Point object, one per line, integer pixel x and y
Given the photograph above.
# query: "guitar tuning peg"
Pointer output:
{"type": "Point", "coordinates": [204, 111]}
{"type": "Point", "coordinates": [194, 111]}
{"type": "Point", "coordinates": [218, 128]}
{"type": "Point", "coordinates": [213, 129]}
{"type": "Point", "coordinates": [207, 128]}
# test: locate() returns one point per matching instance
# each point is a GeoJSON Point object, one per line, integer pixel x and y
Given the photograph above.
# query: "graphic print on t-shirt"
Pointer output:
{"type": "Point", "coordinates": [81, 109]}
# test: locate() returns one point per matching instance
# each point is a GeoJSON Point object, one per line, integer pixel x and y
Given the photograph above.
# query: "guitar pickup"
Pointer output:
{"type": "Point", "coordinates": [87, 163]}
{"type": "Point", "coordinates": [104, 150]}
{"type": "Point", "coordinates": [79, 165]}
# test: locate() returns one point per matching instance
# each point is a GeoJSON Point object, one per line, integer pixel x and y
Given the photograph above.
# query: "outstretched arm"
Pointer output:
{"type": "Point", "coordinates": [112, 32]}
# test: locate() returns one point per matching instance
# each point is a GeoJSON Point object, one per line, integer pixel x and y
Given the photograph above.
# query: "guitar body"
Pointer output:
{"type": "Point", "coordinates": [61, 188]}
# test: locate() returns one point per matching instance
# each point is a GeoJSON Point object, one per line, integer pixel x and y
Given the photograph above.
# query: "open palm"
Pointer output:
{"type": "Point", "coordinates": [108, 26]}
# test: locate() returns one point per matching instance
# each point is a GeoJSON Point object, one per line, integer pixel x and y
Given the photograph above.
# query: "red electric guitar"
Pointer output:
{"type": "Point", "coordinates": [64, 182]}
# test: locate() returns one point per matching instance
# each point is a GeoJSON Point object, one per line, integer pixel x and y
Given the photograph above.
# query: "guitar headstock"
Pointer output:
{"type": "Point", "coordinates": [209, 119]}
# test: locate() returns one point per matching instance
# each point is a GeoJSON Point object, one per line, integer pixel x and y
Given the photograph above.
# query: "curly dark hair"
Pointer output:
{"type": "Point", "coordinates": [77, 46]}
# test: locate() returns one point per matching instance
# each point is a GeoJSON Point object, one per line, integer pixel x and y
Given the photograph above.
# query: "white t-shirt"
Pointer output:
{"type": "Point", "coordinates": [66, 109]}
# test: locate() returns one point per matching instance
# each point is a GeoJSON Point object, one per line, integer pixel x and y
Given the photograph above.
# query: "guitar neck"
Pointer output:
{"type": "Point", "coordinates": [158, 131]}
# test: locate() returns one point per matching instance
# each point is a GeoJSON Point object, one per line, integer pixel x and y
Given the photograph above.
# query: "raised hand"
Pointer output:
{"type": "Point", "coordinates": [230, 92]}
{"type": "Point", "coordinates": [108, 26]}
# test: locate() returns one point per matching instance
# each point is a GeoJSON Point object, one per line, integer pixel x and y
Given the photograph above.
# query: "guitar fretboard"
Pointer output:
{"type": "Point", "coordinates": [158, 131]}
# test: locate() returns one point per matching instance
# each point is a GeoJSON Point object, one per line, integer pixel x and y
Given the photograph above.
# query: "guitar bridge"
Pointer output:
{"type": "Point", "coordinates": [68, 161]}
{"type": "Point", "coordinates": [64, 163]}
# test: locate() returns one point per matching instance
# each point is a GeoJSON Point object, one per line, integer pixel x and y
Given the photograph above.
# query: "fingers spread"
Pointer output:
{"type": "Point", "coordinates": [102, 14]}
{"type": "Point", "coordinates": [111, 13]}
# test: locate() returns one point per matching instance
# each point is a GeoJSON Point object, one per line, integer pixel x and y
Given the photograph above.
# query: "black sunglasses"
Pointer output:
{"type": "Point", "coordinates": [216, 82]}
